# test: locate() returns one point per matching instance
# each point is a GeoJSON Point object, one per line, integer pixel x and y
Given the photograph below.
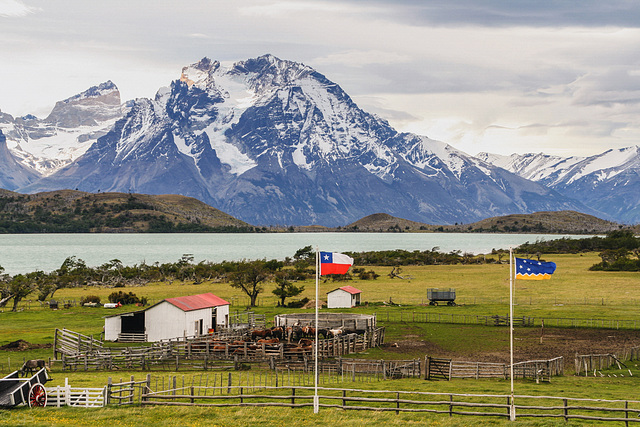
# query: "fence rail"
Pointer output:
{"type": "Point", "coordinates": [437, 368]}
{"type": "Point", "coordinates": [401, 401]}
{"type": "Point", "coordinates": [66, 342]}
{"type": "Point", "coordinates": [496, 320]}
{"type": "Point", "coordinates": [200, 352]}
{"type": "Point", "coordinates": [76, 396]}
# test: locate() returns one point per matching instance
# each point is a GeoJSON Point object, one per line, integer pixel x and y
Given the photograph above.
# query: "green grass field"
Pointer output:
{"type": "Point", "coordinates": [572, 292]}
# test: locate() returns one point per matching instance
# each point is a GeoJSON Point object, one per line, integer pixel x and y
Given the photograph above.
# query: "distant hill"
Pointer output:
{"type": "Point", "coordinates": [68, 211]}
{"type": "Point", "coordinates": [382, 222]}
{"type": "Point", "coordinates": [538, 222]}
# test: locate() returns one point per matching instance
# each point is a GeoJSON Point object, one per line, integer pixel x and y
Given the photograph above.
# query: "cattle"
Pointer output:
{"type": "Point", "coordinates": [260, 333]}
{"type": "Point", "coordinates": [277, 332]}
{"type": "Point", "coordinates": [269, 341]}
{"type": "Point", "coordinates": [335, 332]}
{"type": "Point", "coordinates": [308, 331]}
{"type": "Point", "coordinates": [33, 365]}
{"type": "Point", "coordinates": [305, 342]}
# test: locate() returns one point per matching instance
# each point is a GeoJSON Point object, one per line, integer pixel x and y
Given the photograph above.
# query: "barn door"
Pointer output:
{"type": "Point", "coordinates": [198, 327]}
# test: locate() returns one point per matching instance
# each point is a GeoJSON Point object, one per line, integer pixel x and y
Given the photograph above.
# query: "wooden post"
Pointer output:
{"type": "Point", "coordinates": [132, 389]}
{"type": "Point", "coordinates": [192, 394]}
{"type": "Point", "coordinates": [229, 384]}
{"type": "Point", "coordinates": [427, 366]}
{"type": "Point", "coordinates": [108, 397]}
{"type": "Point", "coordinates": [566, 410]}
{"type": "Point", "coordinates": [397, 402]}
{"type": "Point", "coordinates": [344, 400]}
{"type": "Point", "coordinates": [626, 413]}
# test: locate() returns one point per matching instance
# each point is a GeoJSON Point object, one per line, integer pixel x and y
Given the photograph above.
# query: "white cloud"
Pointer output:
{"type": "Point", "coordinates": [15, 8]}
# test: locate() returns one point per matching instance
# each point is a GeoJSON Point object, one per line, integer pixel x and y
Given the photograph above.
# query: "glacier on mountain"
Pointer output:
{"type": "Point", "coordinates": [272, 141]}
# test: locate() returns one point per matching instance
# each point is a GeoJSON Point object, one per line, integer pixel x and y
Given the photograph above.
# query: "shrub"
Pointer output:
{"type": "Point", "coordinates": [90, 299]}
{"type": "Point", "coordinates": [126, 298]}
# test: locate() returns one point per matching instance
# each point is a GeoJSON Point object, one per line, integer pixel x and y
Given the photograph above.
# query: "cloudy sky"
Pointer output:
{"type": "Point", "coordinates": [504, 76]}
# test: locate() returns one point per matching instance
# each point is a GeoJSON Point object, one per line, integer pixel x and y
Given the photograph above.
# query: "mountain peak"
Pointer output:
{"type": "Point", "coordinates": [97, 104]}
{"type": "Point", "coordinates": [199, 73]}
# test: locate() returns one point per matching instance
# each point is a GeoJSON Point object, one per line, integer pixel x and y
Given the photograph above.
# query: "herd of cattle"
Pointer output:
{"type": "Point", "coordinates": [296, 332]}
{"type": "Point", "coordinates": [288, 342]}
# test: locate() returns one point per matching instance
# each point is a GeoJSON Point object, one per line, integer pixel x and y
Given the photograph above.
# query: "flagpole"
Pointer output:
{"type": "Point", "coordinates": [512, 411]}
{"type": "Point", "coordinates": [316, 403]}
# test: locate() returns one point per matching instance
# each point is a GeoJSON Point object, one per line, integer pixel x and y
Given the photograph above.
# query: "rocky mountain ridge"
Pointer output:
{"type": "Point", "coordinates": [269, 141]}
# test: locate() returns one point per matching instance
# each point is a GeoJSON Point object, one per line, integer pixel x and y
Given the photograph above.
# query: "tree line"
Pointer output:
{"type": "Point", "coordinates": [619, 250]}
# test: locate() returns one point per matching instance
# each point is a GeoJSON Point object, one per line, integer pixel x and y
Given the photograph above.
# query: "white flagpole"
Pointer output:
{"type": "Point", "coordinates": [512, 411]}
{"type": "Point", "coordinates": [316, 402]}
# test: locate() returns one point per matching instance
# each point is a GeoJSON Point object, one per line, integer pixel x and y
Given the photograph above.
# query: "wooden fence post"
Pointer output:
{"type": "Point", "coordinates": [566, 410]}
{"type": "Point", "coordinates": [293, 395]}
{"type": "Point", "coordinates": [132, 390]}
{"type": "Point", "coordinates": [427, 366]}
{"type": "Point", "coordinates": [397, 403]}
{"type": "Point", "coordinates": [626, 413]}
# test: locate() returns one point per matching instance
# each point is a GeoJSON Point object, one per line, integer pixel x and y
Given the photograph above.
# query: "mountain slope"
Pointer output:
{"type": "Point", "coordinates": [275, 142]}
{"type": "Point", "coordinates": [13, 174]}
{"type": "Point", "coordinates": [608, 182]}
{"type": "Point", "coordinates": [74, 124]}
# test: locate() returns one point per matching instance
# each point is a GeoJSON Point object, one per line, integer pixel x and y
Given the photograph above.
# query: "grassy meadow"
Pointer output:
{"type": "Point", "coordinates": [482, 289]}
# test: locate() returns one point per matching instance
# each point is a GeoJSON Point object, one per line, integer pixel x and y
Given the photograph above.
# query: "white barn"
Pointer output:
{"type": "Point", "coordinates": [344, 297]}
{"type": "Point", "coordinates": [170, 318]}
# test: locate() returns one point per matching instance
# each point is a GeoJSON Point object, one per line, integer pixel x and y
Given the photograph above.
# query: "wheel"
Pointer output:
{"type": "Point", "coordinates": [37, 396]}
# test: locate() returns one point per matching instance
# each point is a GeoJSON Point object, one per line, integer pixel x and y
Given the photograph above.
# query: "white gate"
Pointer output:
{"type": "Point", "coordinates": [85, 397]}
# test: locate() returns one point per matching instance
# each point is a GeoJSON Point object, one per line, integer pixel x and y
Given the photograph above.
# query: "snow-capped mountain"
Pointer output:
{"type": "Point", "coordinates": [271, 141]}
{"type": "Point", "coordinates": [608, 182]}
{"type": "Point", "coordinates": [73, 125]}
{"type": "Point", "coordinates": [13, 174]}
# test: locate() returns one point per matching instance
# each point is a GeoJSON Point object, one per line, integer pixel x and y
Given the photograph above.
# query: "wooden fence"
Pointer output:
{"type": "Point", "coordinates": [201, 352]}
{"type": "Point", "coordinates": [478, 405]}
{"type": "Point", "coordinates": [379, 369]}
{"type": "Point", "coordinates": [126, 392]}
{"type": "Point", "coordinates": [540, 370]}
{"type": "Point", "coordinates": [490, 320]}
{"type": "Point", "coordinates": [66, 342]}
{"type": "Point", "coordinates": [76, 396]}
{"type": "Point", "coordinates": [595, 363]}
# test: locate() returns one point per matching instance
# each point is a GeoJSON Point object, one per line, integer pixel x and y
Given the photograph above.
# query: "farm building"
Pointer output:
{"type": "Point", "coordinates": [344, 297]}
{"type": "Point", "coordinates": [170, 318]}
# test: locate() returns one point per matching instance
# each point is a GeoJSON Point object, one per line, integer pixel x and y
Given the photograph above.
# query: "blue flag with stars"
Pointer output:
{"type": "Point", "coordinates": [529, 269]}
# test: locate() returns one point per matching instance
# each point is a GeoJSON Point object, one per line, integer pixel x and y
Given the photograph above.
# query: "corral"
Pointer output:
{"type": "Point", "coordinates": [347, 321]}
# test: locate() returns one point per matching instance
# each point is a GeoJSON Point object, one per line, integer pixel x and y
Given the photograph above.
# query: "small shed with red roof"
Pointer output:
{"type": "Point", "coordinates": [344, 297]}
{"type": "Point", "coordinates": [170, 318]}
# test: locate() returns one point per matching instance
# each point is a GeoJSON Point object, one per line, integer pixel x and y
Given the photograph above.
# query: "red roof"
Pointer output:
{"type": "Point", "coordinates": [351, 290]}
{"type": "Point", "coordinates": [196, 302]}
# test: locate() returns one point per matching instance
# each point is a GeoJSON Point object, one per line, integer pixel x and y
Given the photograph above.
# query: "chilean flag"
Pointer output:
{"type": "Point", "coordinates": [334, 263]}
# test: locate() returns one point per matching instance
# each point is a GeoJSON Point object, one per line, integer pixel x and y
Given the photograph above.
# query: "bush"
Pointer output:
{"type": "Point", "coordinates": [90, 299]}
{"type": "Point", "coordinates": [126, 298]}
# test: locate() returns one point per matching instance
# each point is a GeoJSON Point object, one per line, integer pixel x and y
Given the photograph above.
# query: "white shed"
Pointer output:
{"type": "Point", "coordinates": [344, 297]}
{"type": "Point", "coordinates": [170, 318]}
